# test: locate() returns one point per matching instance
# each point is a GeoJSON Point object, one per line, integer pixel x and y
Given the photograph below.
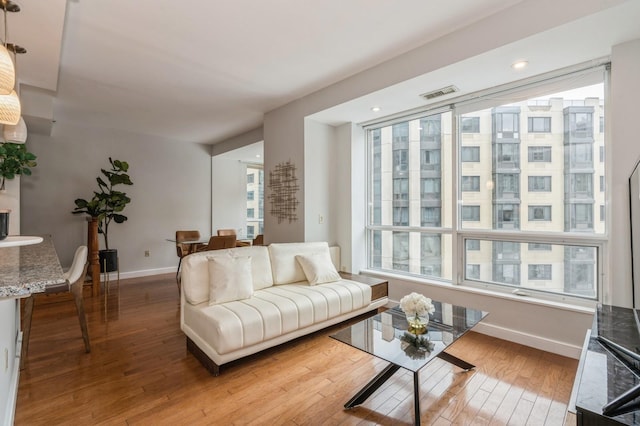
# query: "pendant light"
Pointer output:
{"type": "Point", "coordinates": [7, 69]}
{"type": "Point", "coordinates": [15, 133]}
{"type": "Point", "coordinates": [10, 109]}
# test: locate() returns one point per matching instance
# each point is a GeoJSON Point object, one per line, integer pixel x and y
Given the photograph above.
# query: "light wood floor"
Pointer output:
{"type": "Point", "coordinates": [139, 372]}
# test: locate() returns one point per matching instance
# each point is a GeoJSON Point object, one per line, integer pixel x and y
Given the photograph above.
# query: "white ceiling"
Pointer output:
{"type": "Point", "coordinates": [204, 71]}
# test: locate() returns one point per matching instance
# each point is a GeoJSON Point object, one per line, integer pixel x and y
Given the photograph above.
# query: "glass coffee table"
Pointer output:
{"type": "Point", "coordinates": [385, 336]}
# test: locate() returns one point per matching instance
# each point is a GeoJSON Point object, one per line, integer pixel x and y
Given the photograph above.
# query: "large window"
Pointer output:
{"type": "Point", "coordinates": [521, 206]}
{"type": "Point", "coordinates": [255, 201]}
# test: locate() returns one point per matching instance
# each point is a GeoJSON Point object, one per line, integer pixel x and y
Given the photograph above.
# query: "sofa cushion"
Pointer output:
{"type": "Point", "coordinates": [318, 268]}
{"type": "Point", "coordinates": [229, 279]}
{"type": "Point", "coordinates": [274, 311]}
{"type": "Point", "coordinates": [284, 265]}
{"type": "Point", "coordinates": [195, 271]}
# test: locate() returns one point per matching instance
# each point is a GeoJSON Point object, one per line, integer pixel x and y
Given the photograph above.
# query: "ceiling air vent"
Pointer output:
{"type": "Point", "coordinates": [440, 92]}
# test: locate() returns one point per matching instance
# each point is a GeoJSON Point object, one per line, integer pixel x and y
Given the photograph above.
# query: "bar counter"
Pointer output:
{"type": "Point", "coordinates": [29, 269]}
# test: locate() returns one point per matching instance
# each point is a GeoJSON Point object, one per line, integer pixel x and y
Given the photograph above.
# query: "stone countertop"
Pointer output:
{"type": "Point", "coordinates": [29, 269]}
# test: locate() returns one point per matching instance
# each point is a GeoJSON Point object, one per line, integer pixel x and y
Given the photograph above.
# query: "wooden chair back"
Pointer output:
{"type": "Point", "coordinates": [258, 240]}
{"type": "Point", "coordinates": [223, 232]}
{"type": "Point", "coordinates": [185, 249]}
{"type": "Point", "coordinates": [217, 242]}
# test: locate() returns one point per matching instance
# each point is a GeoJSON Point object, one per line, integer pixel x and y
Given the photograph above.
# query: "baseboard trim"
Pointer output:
{"type": "Point", "coordinates": [142, 273]}
{"type": "Point", "coordinates": [526, 339]}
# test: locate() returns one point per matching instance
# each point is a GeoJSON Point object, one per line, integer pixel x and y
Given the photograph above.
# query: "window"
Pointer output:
{"type": "Point", "coordinates": [539, 272]}
{"type": "Point", "coordinates": [540, 213]}
{"type": "Point", "coordinates": [602, 124]}
{"type": "Point", "coordinates": [401, 216]}
{"type": "Point", "coordinates": [251, 213]}
{"type": "Point", "coordinates": [473, 244]}
{"type": "Point", "coordinates": [602, 154]}
{"type": "Point", "coordinates": [601, 183]}
{"type": "Point", "coordinates": [471, 213]}
{"type": "Point", "coordinates": [470, 124]}
{"type": "Point", "coordinates": [539, 247]}
{"type": "Point", "coordinates": [539, 125]}
{"type": "Point", "coordinates": [539, 154]}
{"type": "Point", "coordinates": [430, 188]}
{"type": "Point", "coordinates": [255, 201]}
{"type": "Point", "coordinates": [471, 183]}
{"type": "Point", "coordinates": [539, 183]}
{"type": "Point", "coordinates": [250, 195]}
{"type": "Point", "coordinates": [473, 271]}
{"type": "Point", "coordinates": [250, 178]}
{"type": "Point", "coordinates": [430, 216]}
{"type": "Point", "coordinates": [452, 204]}
{"type": "Point", "coordinates": [470, 154]}
{"type": "Point", "coordinates": [400, 160]}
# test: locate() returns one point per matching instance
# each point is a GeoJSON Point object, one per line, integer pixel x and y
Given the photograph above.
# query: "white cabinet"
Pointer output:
{"type": "Point", "coordinates": [9, 358]}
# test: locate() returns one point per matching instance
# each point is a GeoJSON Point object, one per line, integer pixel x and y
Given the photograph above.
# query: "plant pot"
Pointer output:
{"type": "Point", "coordinates": [108, 260]}
{"type": "Point", "coordinates": [4, 223]}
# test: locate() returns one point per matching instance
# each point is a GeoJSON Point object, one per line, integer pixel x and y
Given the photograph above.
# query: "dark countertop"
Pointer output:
{"type": "Point", "coordinates": [29, 269]}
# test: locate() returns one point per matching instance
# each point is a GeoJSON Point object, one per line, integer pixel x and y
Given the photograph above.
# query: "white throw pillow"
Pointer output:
{"type": "Point", "coordinates": [229, 279]}
{"type": "Point", "coordinates": [318, 268]}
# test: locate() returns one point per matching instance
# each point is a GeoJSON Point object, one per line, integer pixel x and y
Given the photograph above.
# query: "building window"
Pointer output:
{"type": "Point", "coordinates": [539, 183]}
{"type": "Point", "coordinates": [539, 272]}
{"type": "Point", "coordinates": [250, 195]}
{"type": "Point", "coordinates": [401, 251]}
{"type": "Point", "coordinates": [430, 216]}
{"type": "Point", "coordinates": [539, 125]}
{"type": "Point", "coordinates": [471, 183]}
{"type": "Point", "coordinates": [508, 185]}
{"type": "Point", "coordinates": [540, 213]}
{"type": "Point", "coordinates": [471, 213]}
{"type": "Point", "coordinates": [602, 213]}
{"type": "Point", "coordinates": [401, 189]}
{"type": "Point", "coordinates": [601, 154]}
{"type": "Point", "coordinates": [250, 178]}
{"type": "Point", "coordinates": [401, 216]}
{"type": "Point", "coordinates": [580, 125]}
{"type": "Point", "coordinates": [473, 244]}
{"type": "Point", "coordinates": [602, 184]}
{"type": "Point", "coordinates": [581, 216]}
{"type": "Point", "coordinates": [430, 188]}
{"type": "Point", "coordinates": [507, 216]}
{"type": "Point", "coordinates": [507, 125]}
{"type": "Point", "coordinates": [508, 153]}
{"type": "Point", "coordinates": [430, 159]}
{"type": "Point", "coordinates": [470, 124]}
{"type": "Point", "coordinates": [250, 213]}
{"type": "Point", "coordinates": [581, 185]}
{"type": "Point", "coordinates": [400, 160]}
{"type": "Point", "coordinates": [400, 132]}
{"type": "Point", "coordinates": [539, 154]}
{"type": "Point", "coordinates": [602, 124]}
{"type": "Point", "coordinates": [473, 271]}
{"type": "Point", "coordinates": [470, 154]}
{"type": "Point", "coordinates": [539, 247]}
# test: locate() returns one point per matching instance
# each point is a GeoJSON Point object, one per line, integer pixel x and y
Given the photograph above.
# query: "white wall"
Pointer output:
{"type": "Point", "coordinates": [229, 195]}
{"type": "Point", "coordinates": [10, 199]}
{"type": "Point", "coordinates": [325, 182]}
{"type": "Point", "coordinates": [171, 191]}
{"type": "Point", "coordinates": [624, 152]}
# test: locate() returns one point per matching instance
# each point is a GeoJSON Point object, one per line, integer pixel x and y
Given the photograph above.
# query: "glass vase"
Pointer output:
{"type": "Point", "coordinates": [417, 324]}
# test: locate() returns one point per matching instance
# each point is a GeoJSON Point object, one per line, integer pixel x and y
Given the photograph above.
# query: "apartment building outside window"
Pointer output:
{"type": "Point", "coordinates": [255, 201]}
{"type": "Point", "coordinates": [508, 236]}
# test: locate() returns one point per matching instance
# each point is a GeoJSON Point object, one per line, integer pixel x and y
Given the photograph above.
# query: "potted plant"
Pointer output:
{"type": "Point", "coordinates": [106, 206]}
{"type": "Point", "coordinates": [14, 160]}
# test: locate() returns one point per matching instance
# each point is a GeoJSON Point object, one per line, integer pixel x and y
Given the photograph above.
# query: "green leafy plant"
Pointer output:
{"type": "Point", "coordinates": [107, 203]}
{"type": "Point", "coordinates": [15, 160]}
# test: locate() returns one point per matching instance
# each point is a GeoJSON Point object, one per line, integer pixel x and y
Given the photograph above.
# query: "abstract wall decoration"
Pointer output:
{"type": "Point", "coordinates": [283, 184]}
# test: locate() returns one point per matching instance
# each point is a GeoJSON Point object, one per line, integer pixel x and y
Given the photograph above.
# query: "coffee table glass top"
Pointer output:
{"type": "Point", "coordinates": [385, 335]}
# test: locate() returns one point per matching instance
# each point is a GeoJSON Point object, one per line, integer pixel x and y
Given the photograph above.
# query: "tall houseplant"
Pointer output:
{"type": "Point", "coordinates": [107, 205]}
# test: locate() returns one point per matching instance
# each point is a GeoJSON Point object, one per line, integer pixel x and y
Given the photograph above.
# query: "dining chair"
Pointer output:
{"type": "Point", "coordinates": [74, 280]}
{"type": "Point", "coordinates": [217, 242]}
{"type": "Point", "coordinates": [258, 240]}
{"type": "Point", "coordinates": [183, 249]}
{"type": "Point", "coordinates": [228, 232]}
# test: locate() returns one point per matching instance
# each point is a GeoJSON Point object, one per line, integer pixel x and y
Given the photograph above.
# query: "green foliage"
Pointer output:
{"type": "Point", "coordinates": [15, 160]}
{"type": "Point", "coordinates": [107, 203]}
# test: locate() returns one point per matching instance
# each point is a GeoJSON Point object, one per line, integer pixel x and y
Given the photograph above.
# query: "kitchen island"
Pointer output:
{"type": "Point", "coordinates": [25, 268]}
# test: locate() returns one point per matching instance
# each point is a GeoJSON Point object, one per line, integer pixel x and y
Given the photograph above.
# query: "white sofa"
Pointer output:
{"type": "Point", "coordinates": [240, 301]}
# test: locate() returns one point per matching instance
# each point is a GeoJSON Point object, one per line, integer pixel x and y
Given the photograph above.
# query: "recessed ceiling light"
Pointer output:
{"type": "Point", "coordinates": [518, 65]}
{"type": "Point", "coordinates": [375, 109]}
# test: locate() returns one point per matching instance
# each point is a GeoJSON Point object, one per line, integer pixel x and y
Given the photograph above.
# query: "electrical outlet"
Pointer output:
{"type": "Point", "coordinates": [147, 253]}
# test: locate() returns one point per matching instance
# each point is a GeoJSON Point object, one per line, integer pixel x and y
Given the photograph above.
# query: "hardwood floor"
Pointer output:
{"type": "Point", "coordinates": [138, 372]}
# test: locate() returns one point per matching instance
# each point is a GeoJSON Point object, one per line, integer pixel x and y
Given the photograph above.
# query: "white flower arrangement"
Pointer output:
{"type": "Point", "coordinates": [415, 304]}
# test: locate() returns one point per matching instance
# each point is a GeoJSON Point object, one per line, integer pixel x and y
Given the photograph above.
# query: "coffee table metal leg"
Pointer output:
{"type": "Point", "coordinates": [372, 386]}
{"type": "Point", "coordinates": [416, 398]}
{"type": "Point", "coordinates": [455, 361]}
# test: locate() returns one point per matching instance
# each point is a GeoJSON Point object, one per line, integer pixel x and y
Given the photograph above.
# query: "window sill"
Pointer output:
{"type": "Point", "coordinates": [583, 309]}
